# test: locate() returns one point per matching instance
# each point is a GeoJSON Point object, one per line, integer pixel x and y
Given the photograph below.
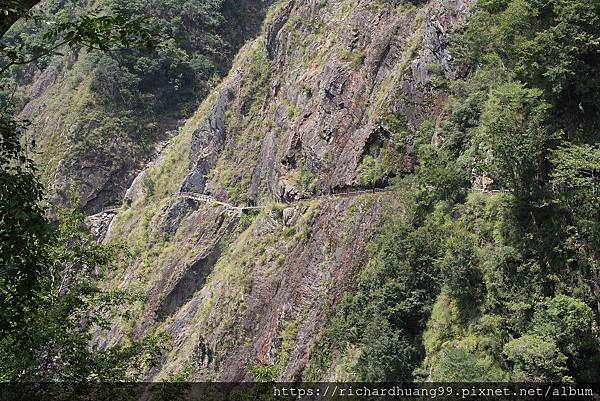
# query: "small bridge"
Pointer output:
{"type": "Point", "coordinates": [213, 201]}
{"type": "Point", "coordinates": [491, 191]}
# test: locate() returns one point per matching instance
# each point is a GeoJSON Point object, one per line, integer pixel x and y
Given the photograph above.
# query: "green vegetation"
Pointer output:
{"type": "Point", "coordinates": [24, 231]}
{"type": "Point", "coordinates": [114, 107]}
{"type": "Point", "coordinates": [233, 172]}
{"type": "Point", "coordinates": [356, 58]}
{"type": "Point", "coordinates": [149, 186]}
{"type": "Point", "coordinates": [512, 130]}
{"type": "Point", "coordinates": [272, 373]}
{"type": "Point", "coordinates": [255, 88]}
{"type": "Point", "coordinates": [459, 286]}
{"type": "Point", "coordinates": [370, 172]}
{"type": "Point", "coordinates": [392, 301]}
{"type": "Point", "coordinates": [307, 182]}
{"type": "Point", "coordinates": [54, 345]}
{"type": "Point", "coordinates": [491, 287]}
{"type": "Point", "coordinates": [41, 36]}
{"type": "Point", "coordinates": [557, 338]}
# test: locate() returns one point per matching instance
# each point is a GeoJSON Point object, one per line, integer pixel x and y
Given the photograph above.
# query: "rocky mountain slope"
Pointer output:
{"type": "Point", "coordinates": [323, 86]}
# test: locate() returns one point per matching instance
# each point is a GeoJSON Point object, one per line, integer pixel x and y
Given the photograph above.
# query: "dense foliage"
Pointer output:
{"type": "Point", "coordinates": [53, 342]}
{"type": "Point", "coordinates": [23, 228]}
{"type": "Point", "coordinates": [193, 50]}
{"type": "Point", "coordinates": [493, 286]}
{"type": "Point", "coordinates": [179, 73]}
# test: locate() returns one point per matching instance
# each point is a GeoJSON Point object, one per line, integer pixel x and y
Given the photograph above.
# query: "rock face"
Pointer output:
{"type": "Point", "coordinates": [208, 140]}
{"type": "Point", "coordinates": [324, 85]}
{"type": "Point", "coordinates": [340, 85]}
{"type": "Point", "coordinates": [99, 223]}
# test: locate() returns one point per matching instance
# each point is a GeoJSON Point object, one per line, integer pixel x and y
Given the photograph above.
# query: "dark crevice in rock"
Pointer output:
{"type": "Point", "coordinates": [192, 280]}
{"type": "Point", "coordinates": [274, 28]}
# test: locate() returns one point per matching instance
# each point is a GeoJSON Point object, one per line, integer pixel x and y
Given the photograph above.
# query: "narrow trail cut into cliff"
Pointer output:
{"type": "Point", "coordinates": [242, 209]}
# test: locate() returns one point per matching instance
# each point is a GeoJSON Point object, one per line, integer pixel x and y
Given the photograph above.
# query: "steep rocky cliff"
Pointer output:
{"type": "Point", "coordinates": [324, 85]}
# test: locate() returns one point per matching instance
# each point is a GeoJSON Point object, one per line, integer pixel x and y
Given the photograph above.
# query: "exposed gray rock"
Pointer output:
{"type": "Point", "coordinates": [136, 189]}
{"type": "Point", "coordinates": [174, 214]}
{"type": "Point", "coordinates": [336, 128]}
{"type": "Point", "coordinates": [99, 223]}
{"type": "Point", "coordinates": [287, 190]}
{"type": "Point", "coordinates": [291, 215]}
{"type": "Point", "coordinates": [273, 30]}
{"type": "Point", "coordinates": [183, 274]}
{"type": "Point", "coordinates": [208, 140]}
{"type": "Point", "coordinates": [181, 290]}
{"type": "Point", "coordinates": [439, 24]}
